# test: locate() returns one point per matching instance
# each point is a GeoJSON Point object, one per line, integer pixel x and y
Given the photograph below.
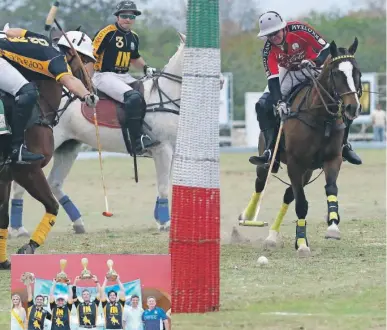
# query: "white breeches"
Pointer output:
{"type": "Point", "coordinates": [11, 80]}
{"type": "Point", "coordinates": [113, 84]}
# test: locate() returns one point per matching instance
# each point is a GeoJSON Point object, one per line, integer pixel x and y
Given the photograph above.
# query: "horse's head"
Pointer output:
{"type": "Point", "coordinates": [345, 78]}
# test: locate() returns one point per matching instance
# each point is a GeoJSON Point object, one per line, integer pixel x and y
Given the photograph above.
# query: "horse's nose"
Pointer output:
{"type": "Point", "coordinates": [352, 110]}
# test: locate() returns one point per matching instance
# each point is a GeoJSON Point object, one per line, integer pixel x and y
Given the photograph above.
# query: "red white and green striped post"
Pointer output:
{"type": "Point", "coordinates": [195, 225]}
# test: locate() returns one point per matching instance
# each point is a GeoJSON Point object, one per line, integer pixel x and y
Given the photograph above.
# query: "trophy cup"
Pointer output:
{"type": "Point", "coordinates": [27, 278]}
{"type": "Point", "coordinates": [61, 277]}
{"type": "Point", "coordinates": [85, 274]}
{"type": "Point", "coordinates": [111, 275]}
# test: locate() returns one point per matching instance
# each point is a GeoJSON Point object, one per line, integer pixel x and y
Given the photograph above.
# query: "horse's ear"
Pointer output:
{"type": "Point", "coordinates": [333, 49]}
{"type": "Point", "coordinates": [78, 28]}
{"type": "Point", "coordinates": [353, 47]}
{"type": "Point", "coordinates": [182, 37]}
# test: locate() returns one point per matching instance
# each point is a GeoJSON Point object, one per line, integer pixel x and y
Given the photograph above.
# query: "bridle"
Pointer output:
{"type": "Point", "coordinates": [336, 98]}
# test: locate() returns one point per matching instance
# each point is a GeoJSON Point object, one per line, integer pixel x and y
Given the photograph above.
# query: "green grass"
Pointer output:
{"type": "Point", "coordinates": [342, 286]}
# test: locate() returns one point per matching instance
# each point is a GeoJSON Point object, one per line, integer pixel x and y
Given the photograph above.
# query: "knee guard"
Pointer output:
{"type": "Point", "coordinates": [135, 108]}
{"type": "Point", "coordinates": [27, 96]}
{"type": "Point", "coordinates": [265, 113]}
{"type": "Point", "coordinates": [135, 105]}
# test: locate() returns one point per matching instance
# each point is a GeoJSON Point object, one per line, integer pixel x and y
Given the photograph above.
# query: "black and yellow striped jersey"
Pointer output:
{"type": "Point", "coordinates": [114, 48]}
{"type": "Point", "coordinates": [34, 57]}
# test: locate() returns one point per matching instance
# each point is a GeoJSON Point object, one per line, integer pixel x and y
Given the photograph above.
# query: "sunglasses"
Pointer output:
{"type": "Point", "coordinates": [126, 16]}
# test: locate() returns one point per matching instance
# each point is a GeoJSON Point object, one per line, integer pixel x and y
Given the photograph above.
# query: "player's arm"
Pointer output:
{"type": "Point", "coordinates": [270, 65]}
{"type": "Point", "coordinates": [101, 39]}
{"type": "Point", "coordinates": [102, 293]}
{"type": "Point", "coordinates": [164, 317]}
{"type": "Point", "coordinates": [74, 290]}
{"type": "Point", "coordinates": [29, 293]}
{"type": "Point", "coordinates": [69, 294]}
{"type": "Point", "coordinates": [52, 289]}
{"type": "Point", "coordinates": [121, 293]}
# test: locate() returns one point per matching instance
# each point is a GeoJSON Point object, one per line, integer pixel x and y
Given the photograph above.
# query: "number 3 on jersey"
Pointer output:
{"type": "Point", "coordinates": [123, 59]}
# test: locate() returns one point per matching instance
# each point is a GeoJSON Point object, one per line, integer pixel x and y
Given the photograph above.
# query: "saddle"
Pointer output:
{"type": "Point", "coordinates": [107, 108]}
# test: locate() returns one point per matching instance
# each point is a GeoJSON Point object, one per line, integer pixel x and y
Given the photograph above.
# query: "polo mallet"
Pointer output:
{"type": "Point", "coordinates": [255, 222]}
{"type": "Point", "coordinates": [49, 20]}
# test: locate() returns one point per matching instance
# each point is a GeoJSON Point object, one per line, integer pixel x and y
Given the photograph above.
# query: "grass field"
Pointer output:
{"type": "Point", "coordinates": [342, 286]}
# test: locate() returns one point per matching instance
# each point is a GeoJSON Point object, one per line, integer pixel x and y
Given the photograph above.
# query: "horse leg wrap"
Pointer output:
{"type": "Point", "coordinates": [301, 233]}
{"type": "Point", "coordinates": [333, 210]}
{"type": "Point", "coordinates": [3, 244]}
{"type": "Point", "coordinates": [280, 217]}
{"type": "Point", "coordinates": [16, 213]}
{"type": "Point", "coordinates": [44, 227]}
{"type": "Point", "coordinates": [252, 206]}
{"type": "Point", "coordinates": [70, 208]}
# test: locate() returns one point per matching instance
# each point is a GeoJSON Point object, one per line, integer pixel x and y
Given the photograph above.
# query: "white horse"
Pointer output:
{"type": "Point", "coordinates": [73, 130]}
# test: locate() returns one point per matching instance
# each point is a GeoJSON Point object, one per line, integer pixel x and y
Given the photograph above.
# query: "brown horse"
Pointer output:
{"type": "Point", "coordinates": [39, 139]}
{"type": "Point", "coordinates": [312, 138]}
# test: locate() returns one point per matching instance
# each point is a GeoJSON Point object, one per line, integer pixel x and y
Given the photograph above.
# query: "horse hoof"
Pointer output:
{"type": "Point", "coordinates": [271, 241]}
{"type": "Point", "coordinates": [269, 244]}
{"type": "Point", "coordinates": [79, 229]}
{"type": "Point", "coordinates": [18, 232]}
{"type": "Point", "coordinates": [164, 227]}
{"type": "Point", "coordinates": [5, 265]}
{"type": "Point", "coordinates": [26, 249]}
{"type": "Point", "coordinates": [303, 251]}
{"type": "Point", "coordinates": [333, 232]}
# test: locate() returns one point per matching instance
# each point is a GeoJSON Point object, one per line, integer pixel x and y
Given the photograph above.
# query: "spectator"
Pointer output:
{"type": "Point", "coordinates": [378, 123]}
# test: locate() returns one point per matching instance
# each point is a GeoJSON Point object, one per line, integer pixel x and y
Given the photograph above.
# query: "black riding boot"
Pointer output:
{"type": "Point", "coordinates": [348, 153]}
{"type": "Point", "coordinates": [25, 102]}
{"type": "Point", "coordinates": [135, 112]}
{"type": "Point", "coordinates": [265, 158]}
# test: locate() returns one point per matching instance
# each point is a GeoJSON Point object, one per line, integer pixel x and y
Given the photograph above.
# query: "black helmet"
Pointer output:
{"type": "Point", "coordinates": [127, 5]}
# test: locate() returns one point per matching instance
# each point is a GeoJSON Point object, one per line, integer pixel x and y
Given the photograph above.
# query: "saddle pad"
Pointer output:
{"type": "Point", "coordinates": [106, 113]}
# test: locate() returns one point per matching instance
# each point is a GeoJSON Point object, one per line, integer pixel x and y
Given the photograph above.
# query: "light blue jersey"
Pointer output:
{"type": "Point", "coordinates": [153, 319]}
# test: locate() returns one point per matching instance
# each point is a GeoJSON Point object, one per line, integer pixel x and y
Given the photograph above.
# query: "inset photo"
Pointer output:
{"type": "Point", "coordinates": [91, 291]}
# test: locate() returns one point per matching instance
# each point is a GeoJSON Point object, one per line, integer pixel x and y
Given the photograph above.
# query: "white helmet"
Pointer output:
{"type": "Point", "coordinates": [270, 22]}
{"type": "Point", "coordinates": [80, 41]}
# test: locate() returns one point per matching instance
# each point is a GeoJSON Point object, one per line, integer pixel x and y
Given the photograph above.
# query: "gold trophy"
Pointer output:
{"type": "Point", "coordinates": [62, 276]}
{"type": "Point", "coordinates": [85, 274]}
{"type": "Point", "coordinates": [27, 278]}
{"type": "Point", "coordinates": [111, 275]}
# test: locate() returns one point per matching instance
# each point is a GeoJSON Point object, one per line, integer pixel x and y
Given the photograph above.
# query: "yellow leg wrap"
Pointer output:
{"type": "Point", "coordinates": [44, 227]}
{"type": "Point", "coordinates": [332, 198]}
{"type": "Point", "coordinates": [251, 208]}
{"type": "Point", "coordinates": [3, 244]}
{"type": "Point", "coordinates": [280, 217]}
{"type": "Point", "coordinates": [301, 241]}
{"type": "Point", "coordinates": [301, 223]}
{"type": "Point", "coordinates": [333, 216]}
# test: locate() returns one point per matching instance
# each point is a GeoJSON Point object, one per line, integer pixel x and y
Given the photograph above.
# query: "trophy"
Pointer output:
{"type": "Point", "coordinates": [27, 278]}
{"type": "Point", "coordinates": [61, 277]}
{"type": "Point", "coordinates": [111, 275]}
{"type": "Point", "coordinates": [85, 274]}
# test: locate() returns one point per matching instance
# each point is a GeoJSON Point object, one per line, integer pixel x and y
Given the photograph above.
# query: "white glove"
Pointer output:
{"type": "Point", "coordinates": [91, 100]}
{"type": "Point", "coordinates": [150, 71]}
{"type": "Point", "coordinates": [307, 64]}
{"type": "Point", "coordinates": [282, 108]}
{"type": "Point", "coordinates": [6, 27]}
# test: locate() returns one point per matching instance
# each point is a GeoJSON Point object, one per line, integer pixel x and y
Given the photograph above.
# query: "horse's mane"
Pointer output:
{"type": "Point", "coordinates": [177, 53]}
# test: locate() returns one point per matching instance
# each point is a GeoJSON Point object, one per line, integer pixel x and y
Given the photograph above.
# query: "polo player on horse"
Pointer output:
{"type": "Point", "coordinates": [27, 56]}
{"type": "Point", "coordinates": [290, 48]}
{"type": "Point", "coordinates": [116, 47]}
